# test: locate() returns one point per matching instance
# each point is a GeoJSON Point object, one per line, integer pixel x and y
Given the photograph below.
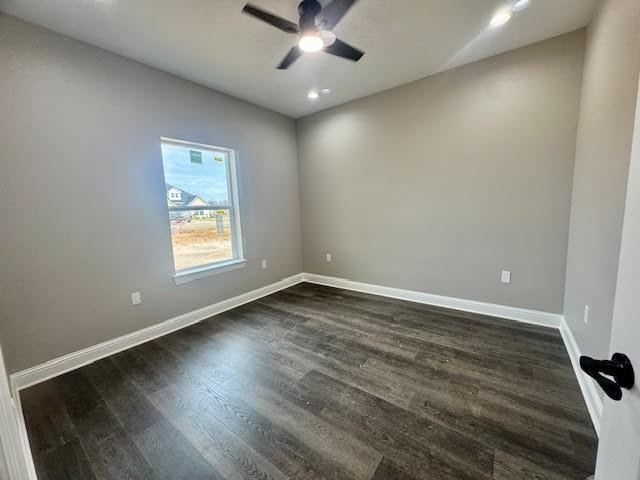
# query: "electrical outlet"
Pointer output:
{"type": "Point", "coordinates": [506, 276]}
{"type": "Point", "coordinates": [264, 264]}
{"type": "Point", "coordinates": [587, 310]}
{"type": "Point", "coordinates": [329, 258]}
{"type": "Point", "coordinates": [136, 298]}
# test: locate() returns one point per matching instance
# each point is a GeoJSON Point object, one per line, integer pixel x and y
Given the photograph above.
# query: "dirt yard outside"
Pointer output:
{"type": "Point", "coordinates": [197, 242]}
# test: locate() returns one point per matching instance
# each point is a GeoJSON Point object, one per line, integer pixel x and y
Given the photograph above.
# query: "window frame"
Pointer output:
{"type": "Point", "coordinates": [237, 240]}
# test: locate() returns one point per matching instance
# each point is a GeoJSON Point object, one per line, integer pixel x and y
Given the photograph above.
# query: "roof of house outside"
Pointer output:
{"type": "Point", "coordinates": [185, 197]}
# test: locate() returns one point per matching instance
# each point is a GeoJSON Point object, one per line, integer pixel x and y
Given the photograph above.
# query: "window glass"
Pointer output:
{"type": "Point", "coordinates": [200, 198]}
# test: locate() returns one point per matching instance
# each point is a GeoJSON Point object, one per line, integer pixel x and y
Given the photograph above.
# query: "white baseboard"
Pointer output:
{"type": "Point", "coordinates": [534, 317]}
{"type": "Point", "coordinates": [72, 361]}
{"type": "Point", "coordinates": [587, 385]}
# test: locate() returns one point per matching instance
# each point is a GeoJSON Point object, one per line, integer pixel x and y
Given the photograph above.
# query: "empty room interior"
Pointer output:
{"type": "Point", "coordinates": [319, 239]}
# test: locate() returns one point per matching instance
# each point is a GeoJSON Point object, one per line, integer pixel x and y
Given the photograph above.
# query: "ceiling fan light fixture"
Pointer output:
{"type": "Point", "coordinates": [310, 43]}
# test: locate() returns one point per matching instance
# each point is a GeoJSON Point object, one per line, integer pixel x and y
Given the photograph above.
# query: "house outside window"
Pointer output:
{"type": "Point", "coordinates": [202, 200]}
{"type": "Point", "coordinates": [174, 194]}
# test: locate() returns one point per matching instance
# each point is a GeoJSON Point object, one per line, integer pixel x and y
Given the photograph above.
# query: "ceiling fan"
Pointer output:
{"type": "Point", "coordinates": [313, 29]}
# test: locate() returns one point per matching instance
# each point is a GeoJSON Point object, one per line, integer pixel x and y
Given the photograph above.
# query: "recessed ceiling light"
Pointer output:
{"type": "Point", "coordinates": [312, 95]}
{"type": "Point", "coordinates": [520, 5]}
{"type": "Point", "coordinates": [325, 91]}
{"type": "Point", "coordinates": [311, 43]}
{"type": "Point", "coordinates": [500, 18]}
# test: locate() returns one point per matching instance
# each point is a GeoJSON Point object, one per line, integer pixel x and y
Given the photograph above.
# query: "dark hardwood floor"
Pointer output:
{"type": "Point", "coordinates": [318, 383]}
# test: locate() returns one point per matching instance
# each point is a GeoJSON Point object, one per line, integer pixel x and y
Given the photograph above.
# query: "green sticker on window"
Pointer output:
{"type": "Point", "coordinates": [196, 156]}
{"type": "Point", "coordinates": [218, 159]}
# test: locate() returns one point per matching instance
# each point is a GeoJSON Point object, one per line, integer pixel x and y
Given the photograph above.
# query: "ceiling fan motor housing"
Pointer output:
{"type": "Point", "coordinates": [308, 10]}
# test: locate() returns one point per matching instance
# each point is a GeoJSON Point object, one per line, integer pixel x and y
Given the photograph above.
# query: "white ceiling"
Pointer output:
{"type": "Point", "coordinates": [210, 42]}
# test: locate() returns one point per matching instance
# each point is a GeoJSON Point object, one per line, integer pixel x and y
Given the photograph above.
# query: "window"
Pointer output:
{"type": "Point", "coordinates": [203, 208]}
{"type": "Point", "coordinates": [174, 194]}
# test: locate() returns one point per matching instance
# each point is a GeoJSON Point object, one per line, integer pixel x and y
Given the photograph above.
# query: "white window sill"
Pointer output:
{"type": "Point", "coordinates": [191, 274]}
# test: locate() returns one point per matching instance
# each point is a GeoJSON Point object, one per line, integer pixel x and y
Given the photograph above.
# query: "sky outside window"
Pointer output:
{"type": "Point", "coordinates": [207, 179]}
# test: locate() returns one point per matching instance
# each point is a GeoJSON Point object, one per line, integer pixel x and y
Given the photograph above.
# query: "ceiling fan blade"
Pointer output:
{"type": "Point", "coordinates": [291, 57]}
{"type": "Point", "coordinates": [344, 50]}
{"type": "Point", "coordinates": [274, 20]}
{"type": "Point", "coordinates": [333, 13]}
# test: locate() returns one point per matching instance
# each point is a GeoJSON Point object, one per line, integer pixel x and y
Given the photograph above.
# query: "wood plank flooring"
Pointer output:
{"type": "Point", "coordinates": [319, 383]}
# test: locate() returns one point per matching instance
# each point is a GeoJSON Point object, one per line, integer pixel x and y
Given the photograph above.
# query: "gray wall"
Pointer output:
{"type": "Point", "coordinates": [438, 185]}
{"type": "Point", "coordinates": [4, 473]}
{"type": "Point", "coordinates": [612, 65]}
{"type": "Point", "coordinates": [82, 200]}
